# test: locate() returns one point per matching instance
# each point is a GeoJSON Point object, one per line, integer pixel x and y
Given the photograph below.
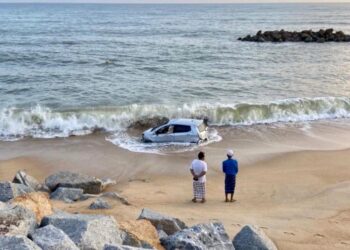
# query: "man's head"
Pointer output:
{"type": "Point", "coordinates": [230, 153]}
{"type": "Point", "coordinates": [201, 155]}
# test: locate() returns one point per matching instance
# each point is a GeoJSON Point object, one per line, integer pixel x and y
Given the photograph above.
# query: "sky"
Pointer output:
{"type": "Point", "coordinates": [168, 1]}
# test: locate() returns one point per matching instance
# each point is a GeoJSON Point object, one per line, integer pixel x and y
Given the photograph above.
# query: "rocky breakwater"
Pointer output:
{"type": "Point", "coordinates": [307, 36]}
{"type": "Point", "coordinates": [28, 221]}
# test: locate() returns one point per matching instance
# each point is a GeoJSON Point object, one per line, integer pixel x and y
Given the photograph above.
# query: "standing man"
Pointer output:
{"type": "Point", "coordinates": [230, 168]}
{"type": "Point", "coordinates": [198, 170]}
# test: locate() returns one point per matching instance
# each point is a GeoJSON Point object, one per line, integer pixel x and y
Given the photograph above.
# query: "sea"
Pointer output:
{"type": "Point", "coordinates": [76, 69]}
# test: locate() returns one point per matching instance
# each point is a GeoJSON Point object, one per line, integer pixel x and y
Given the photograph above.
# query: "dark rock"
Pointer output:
{"type": "Point", "coordinates": [329, 31]}
{"type": "Point", "coordinates": [162, 234]}
{"type": "Point", "coordinates": [116, 196]}
{"type": "Point", "coordinates": [204, 236]}
{"type": "Point", "coordinates": [52, 238]}
{"type": "Point", "coordinates": [22, 177]}
{"type": "Point", "coordinates": [100, 204]}
{"type": "Point", "coordinates": [16, 220]}
{"type": "Point", "coordinates": [67, 194]}
{"type": "Point", "coordinates": [321, 40]}
{"type": "Point", "coordinates": [166, 223]}
{"type": "Point", "coordinates": [89, 184]}
{"type": "Point", "coordinates": [307, 36]}
{"type": "Point", "coordinates": [17, 242]}
{"type": "Point", "coordinates": [261, 39]}
{"type": "Point", "coordinates": [252, 238]}
{"type": "Point", "coordinates": [10, 190]}
{"type": "Point", "coordinates": [308, 39]}
{"type": "Point", "coordinates": [86, 231]}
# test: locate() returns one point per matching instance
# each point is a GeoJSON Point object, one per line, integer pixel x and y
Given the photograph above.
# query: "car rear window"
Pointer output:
{"type": "Point", "coordinates": [181, 128]}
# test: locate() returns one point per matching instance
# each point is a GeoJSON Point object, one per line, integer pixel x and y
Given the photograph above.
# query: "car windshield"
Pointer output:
{"type": "Point", "coordinates": [158, 126]}
{"type": "Point", "coordinates": [155, 128]}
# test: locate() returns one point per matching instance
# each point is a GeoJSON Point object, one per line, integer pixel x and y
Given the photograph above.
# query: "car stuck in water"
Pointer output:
{"type": "Point", "coordinates": [178, 130]}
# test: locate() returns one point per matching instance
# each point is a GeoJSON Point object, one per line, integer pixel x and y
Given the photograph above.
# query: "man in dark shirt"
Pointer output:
{"type": "Point", "coordinates": [230, 168]}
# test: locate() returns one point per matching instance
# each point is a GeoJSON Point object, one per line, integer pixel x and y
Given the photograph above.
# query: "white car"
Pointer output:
{"type": "Point", "coordinates": [178, 130]}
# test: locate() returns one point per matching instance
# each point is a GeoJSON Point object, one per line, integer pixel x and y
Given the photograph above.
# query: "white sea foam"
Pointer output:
{"type": "Point", "coordinates": [132, 143]}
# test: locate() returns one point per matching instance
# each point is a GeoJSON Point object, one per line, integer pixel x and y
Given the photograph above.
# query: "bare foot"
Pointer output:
{"type": "Point", "coordinates": [203, 201]}
{"type": "Point", "coordinates": [194, 200]}
{"type": "Point", "coordinates": [226, 200]}
{"type": "Point", "coordinates": [232, 200]}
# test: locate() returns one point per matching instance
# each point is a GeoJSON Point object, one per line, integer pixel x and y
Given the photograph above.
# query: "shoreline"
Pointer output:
{"type": "Point", "coordinates": [294, 182]}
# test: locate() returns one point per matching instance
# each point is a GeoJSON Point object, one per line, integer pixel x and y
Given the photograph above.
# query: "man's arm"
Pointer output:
{"type": "Point", "coordinates": [201, 174]}
{"type": "Point", "coordinates": [192, 172]}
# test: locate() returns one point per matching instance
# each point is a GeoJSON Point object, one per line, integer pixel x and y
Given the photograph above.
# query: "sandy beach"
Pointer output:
{"type": "Point", "coordinates": [293, 184]}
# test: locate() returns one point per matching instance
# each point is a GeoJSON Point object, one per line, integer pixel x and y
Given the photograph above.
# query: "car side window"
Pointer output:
{"type": "Point", "coordinates": [165, 130]}
{"type": "Point", "coordinates": [162, 130]}
{"type": "Point", "coordinates": [182, 129]}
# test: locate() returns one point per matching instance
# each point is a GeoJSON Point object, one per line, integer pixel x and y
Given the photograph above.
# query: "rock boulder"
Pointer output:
{"type": "Point", "coordinates": [67, 194]}
{"type": "Point", "coordinates": [22, 177]}
{"type": "Point", "coordinates": [89, 184]}
{"type": "Point", "coordinates": [166, 223]}
{"type": "Point", "coordinates": [200, 237]}
{"type": "Point", "coordinates": [100, 204]}
{"type": "Point", "coordinates": [140, 233]}
{"type": "Point", "coordinates": [17, 242]}
{"type": "Point", "coordinates": [38, 202]}
{"type": "Point", "coordinates": [86, 231]}
{"type": "Point", "coordinates": [252, 238]}
{"type": "Point", "coordinates": [116, 196]}
{"type": "Point", "coordinates": [16, 220]}
{"type": "Point", "coordinates": [10, 190]}
{"type": "Point", "coordinates": [52, 238]}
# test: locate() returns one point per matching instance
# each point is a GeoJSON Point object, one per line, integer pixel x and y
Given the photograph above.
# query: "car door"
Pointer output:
{"type": "Point", "coordinates": [164, 134]}
{"type": "Point", "coordinates": [183, 133]}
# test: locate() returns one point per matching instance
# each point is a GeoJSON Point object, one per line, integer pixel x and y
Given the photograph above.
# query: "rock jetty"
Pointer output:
{"type": "Point", "coordinates": [307, 36]}
{"type": "Point", "coordinates": [29, 221]}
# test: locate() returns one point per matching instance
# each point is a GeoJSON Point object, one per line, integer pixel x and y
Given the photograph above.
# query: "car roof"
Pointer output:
{"type": "Point", "coordinates": [186, 122]}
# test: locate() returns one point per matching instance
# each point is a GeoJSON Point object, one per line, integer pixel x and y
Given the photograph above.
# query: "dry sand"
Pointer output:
{"type": "Point", "coordinates": [298, 193]}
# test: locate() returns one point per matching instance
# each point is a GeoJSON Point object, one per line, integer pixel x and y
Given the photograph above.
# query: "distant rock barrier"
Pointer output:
{"type": "Point", "coordinates": [307, 36]}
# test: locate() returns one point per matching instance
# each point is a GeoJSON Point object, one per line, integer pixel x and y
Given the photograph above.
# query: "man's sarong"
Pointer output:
{"type": "Point", "coordinates": [199, 190]}
{"type": "Point", "coordinates": [230, 183]}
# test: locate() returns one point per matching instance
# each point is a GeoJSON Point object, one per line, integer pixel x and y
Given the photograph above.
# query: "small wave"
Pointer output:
{"type": "Point", "coordinates": [41, 122]}
{"type": "Point", "coordinates": [111, 62]}
{"type": "Point", "coordinates": [70, 42]}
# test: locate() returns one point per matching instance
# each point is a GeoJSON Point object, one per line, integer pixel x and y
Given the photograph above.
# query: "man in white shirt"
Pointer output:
{"type": "Point", "coordinates": [198, 170]}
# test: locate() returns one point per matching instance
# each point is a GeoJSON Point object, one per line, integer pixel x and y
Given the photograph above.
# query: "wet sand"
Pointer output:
{"type": "Point", "coordinates": [294, 181]}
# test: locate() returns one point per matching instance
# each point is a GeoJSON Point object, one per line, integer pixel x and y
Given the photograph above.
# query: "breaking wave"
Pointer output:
{"type": "Point", "coordinates": [42, 122]}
